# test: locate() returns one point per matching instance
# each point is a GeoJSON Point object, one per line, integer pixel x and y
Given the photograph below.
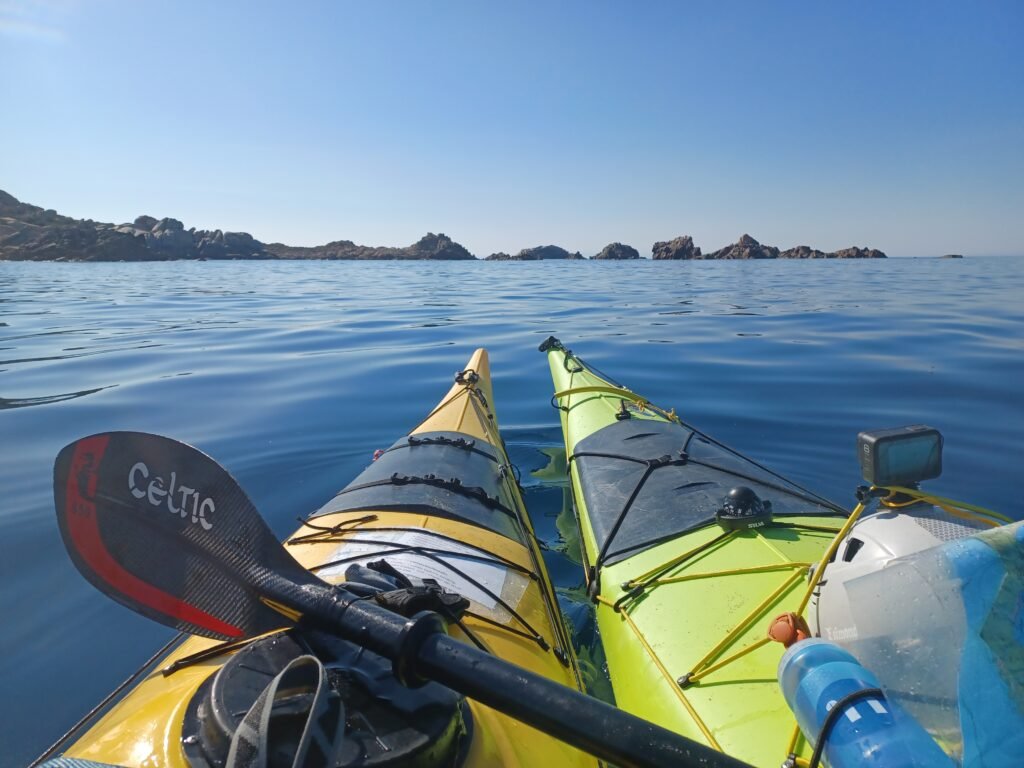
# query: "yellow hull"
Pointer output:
{"type": "Point", "coordinates": [145, 727]}
{"type": "Point", "coordinates": [691, 604]}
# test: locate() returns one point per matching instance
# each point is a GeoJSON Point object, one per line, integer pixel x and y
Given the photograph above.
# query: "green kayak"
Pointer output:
{"type": "Point", "coordinates": [692, 552]}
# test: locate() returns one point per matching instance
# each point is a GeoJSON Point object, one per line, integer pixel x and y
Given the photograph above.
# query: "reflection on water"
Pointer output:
{"type": "Point", "coordinates": [24, 402]}
{"type": "Point", "coordinates": [292, 373]}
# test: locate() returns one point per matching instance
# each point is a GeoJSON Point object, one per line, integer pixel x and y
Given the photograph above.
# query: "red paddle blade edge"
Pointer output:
{"type": "Point", "coordinates": [163, 529]}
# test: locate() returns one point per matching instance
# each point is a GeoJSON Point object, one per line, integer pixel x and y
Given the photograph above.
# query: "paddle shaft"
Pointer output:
{"type": "Point", "coordinates": [585, 722]}
{"type": "Point", "coordinates": [420, 650]}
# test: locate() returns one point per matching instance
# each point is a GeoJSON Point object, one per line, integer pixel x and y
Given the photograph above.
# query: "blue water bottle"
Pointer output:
{"type": "Point", "coordinates": [837, 701]}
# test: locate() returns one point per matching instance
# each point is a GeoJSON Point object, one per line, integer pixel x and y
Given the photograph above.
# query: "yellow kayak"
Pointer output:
{"type": "Point", "coordinates": [438, 514]}
{"type": "Point", "coordinates": [684, 599]}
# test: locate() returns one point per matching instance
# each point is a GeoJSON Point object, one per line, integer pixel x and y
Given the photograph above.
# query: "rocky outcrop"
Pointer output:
{"type": "Point", "coordinates": [745, 248]}
{"type": "Point", "coordinates": [336, 249]}
{"type": "Point", "coordinates": [435, 247]}
{"type": "Point", "coordinates": [543, 252]}
{"type": "Point", "coordinates": [440, 246]}
{"type": "Point", "coordinates": [30, 233]}
{"type": "Point", "coordinates": [748, 248]}
{"type": "Point", "coordinates": [168, 239]}
{"type": "Point", "coordinates": [679, 248]}
{"type": "Point", "coordinates": [618, 251]}
{"type": "Point", "coordinates": [229, 245]}
{"type": "Point", "coordinates": [803, 252]}
{"type": "Point", "coordinates": [857, 253]}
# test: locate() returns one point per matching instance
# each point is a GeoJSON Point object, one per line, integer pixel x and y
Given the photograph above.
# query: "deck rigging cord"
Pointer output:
{"type": "Point", "coordinates": [435, 555]}
{"type": "Point", "coordinates": [508, 476]}
{"type": "Point", "coordinates": [625, 394]}
{"type": "Point", "coordinates": [712, 661]}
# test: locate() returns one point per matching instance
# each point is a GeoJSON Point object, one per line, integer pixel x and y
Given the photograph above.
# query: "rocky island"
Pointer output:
{"type": "Point", "coordinates": [430, 246]}
{"type": "Point", "coordinates": [748, 248]}
{"type": "Point", "coordinates": [618, 251]}
{"type": "Point", "coordinates": [680, 248]}
{"type": "Point", "coordinates": [539, 253]}
{"type": "Point", "coordinates": [31, 233]}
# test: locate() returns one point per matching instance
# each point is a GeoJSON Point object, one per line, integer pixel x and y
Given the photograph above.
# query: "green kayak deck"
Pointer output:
{"type": "Point", "coordinates": [684, 605]}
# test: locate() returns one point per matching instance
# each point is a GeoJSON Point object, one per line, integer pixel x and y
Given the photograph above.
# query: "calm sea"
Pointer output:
{"type": "Point", "coordinates": [291, 374]}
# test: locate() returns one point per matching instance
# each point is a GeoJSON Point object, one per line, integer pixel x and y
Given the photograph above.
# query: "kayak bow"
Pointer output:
{"type": "Point", "coordinates": [690, 551]}
{"type": "Point", "coordinates": [437, 523]}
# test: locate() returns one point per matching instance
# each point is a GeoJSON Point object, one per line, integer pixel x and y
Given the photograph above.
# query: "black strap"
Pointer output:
{"type": "Point", "coordinates": [448, 484]}
{"type": "Point", "coordinates": [323, 735]}
{"type": "Point", "coordinates": [651, 465]}
{"type": "Point", "coordinates": [337, 533]}
{"type": "Point", "coordinates": [445, 442]}
{"type": "Point", "coordinates": [833, 717]}
{"type": "Point", "coordinates": [596, 455]}
{"type": "Point", "coordinates": [684, 458]}
{"type": "Point", "coordinates": [808, 495]}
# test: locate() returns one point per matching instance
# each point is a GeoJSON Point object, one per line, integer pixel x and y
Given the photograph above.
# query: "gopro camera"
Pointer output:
{"type": "Point", "coordinates": [900, 456]}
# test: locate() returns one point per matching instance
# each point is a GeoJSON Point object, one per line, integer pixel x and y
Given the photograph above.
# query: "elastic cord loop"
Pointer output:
{"type": "Point", "coordinates": [833, 717]}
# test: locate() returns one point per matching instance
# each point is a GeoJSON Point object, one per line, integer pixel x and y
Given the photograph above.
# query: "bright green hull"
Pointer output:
{"type": "Point", "coordinates": [682, 622]}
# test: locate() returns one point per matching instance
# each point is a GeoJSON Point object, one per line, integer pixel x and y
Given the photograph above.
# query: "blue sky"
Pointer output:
{"type": "Point", "coordinates": [507, 125]}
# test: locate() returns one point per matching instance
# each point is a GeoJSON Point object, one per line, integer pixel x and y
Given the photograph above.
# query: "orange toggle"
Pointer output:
{"type": "Point", "coordinates": [789, 628]}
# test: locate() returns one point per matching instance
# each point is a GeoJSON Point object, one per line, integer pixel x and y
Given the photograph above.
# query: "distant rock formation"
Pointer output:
{"type": "Point", "coordinates": [434, 247]}
{"type": "Point", "coordinates": [748, 248]}
{"type": "Point", "coordinates": [953, 256]}
{"type": "Point", "coordinates": [30, 233]}
{"type": "Point", "coordinates": [440, 247]}
{"type": "Point", "coordinates": [856, 253]}
{"type": "Point", "coordinates": [745, 248]}
{"type": "Point", "coordinates": [618, 251]}
{"type": "Point", "coordinates": [806, 252]}
{"type": "Point", "coordinates": [167, 239]}
{"type": "Point", "coordinates": [679, 248]}
{"type": "Point", "coordinates": [541, 252]}
{"type": "Point", "coordinates": [547, 252]}
{"type": "Point", "coordinates": [803, 252]}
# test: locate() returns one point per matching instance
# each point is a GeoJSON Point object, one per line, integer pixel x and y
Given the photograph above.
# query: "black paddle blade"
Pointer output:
{"type": "Point", "coordinates": [162, 528]}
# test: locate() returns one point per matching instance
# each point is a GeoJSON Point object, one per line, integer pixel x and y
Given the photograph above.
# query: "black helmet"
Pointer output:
{"type": "Point", "coordinates": [741, 508]}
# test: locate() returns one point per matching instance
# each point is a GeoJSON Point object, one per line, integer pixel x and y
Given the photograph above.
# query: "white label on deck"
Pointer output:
{"type": "Point", "coordinates": [366, 545]}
